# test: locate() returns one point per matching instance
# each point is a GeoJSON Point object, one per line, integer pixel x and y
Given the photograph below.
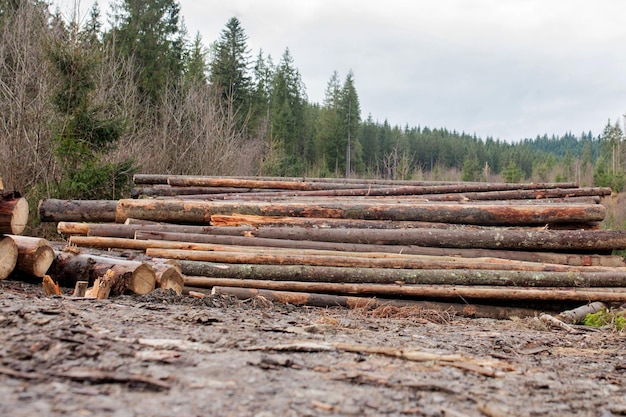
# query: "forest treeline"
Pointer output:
{"type": "Point", "coordinates": [87, 102]}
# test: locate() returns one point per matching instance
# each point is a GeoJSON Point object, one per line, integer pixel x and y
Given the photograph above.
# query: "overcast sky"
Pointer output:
{"type": "Point", "coordinates": [508, 69]}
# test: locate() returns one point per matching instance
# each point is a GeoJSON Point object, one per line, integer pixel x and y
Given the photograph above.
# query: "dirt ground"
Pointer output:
{"type": "Point", "coordinates": [168, 355]}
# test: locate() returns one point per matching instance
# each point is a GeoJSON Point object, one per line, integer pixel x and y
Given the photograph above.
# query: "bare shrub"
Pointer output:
{"type": "Point", "coordinates": [26, 158]}
{"type": "Point", "coordinates": [189, 134]}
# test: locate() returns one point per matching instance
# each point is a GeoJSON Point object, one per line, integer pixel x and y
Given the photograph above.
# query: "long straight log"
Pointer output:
{"type": "Point", "coordinates": [540, 257]}
{"type": "Point", "coordinates": [237, 236]}
{"type": "Point", "coordinates": [432, 193]}
{"type": "Point", "coordinates": [13, 214]}
{"type": "Point", "coordinates": [35, 255]}
{"type": "Point", "coordinates": [501, 239]}
{"type": "Point", "coordinates": [352, 260]}
{"type": "Point", "coordinates": [199, 212]}
{"type": "Point", "coordinates": [407, 276]}
{"type": "Point", "coordinates": [497, 238]}
{"type": "Point", "coordinates": [279, 256]}
{"type": "Point", "coordinates": [54, 210]}
{"type": "Point", "coordinates": [163, 179]}
{"type": "Point", "coordinates": [376, 305]}
{"type": "Point", "coordinates": [8, 256]}
{"type": "Point", "coordinates": [129, 276]}
{"type": "Point", "coordinates": [259, 184]}
{"type": "Point", "coordinates": [484, 293]}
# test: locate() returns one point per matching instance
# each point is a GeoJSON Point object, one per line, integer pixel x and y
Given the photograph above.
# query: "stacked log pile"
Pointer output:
{"type": "Point", "coordinates": [28, 255]}
{"type": "Point", "coordinates": [346, 241]}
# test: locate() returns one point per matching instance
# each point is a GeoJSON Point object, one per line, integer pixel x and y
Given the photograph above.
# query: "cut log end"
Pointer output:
{"type": "Point", "coordinates": [142, 281]}
{"type": "Point", "coordinates": [13, 216]}
{"type": "Point", "coordinates": [8, 256]}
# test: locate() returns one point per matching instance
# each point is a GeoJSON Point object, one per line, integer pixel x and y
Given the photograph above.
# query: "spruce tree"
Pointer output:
{"type": "Point", "coordinates": [230, 71]}
{"type": "Point", "coordinates": [83, 131]}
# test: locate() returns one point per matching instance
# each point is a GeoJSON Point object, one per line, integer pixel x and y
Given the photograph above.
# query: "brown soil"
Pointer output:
{"type": "Point", "coordinates": [168, 355]}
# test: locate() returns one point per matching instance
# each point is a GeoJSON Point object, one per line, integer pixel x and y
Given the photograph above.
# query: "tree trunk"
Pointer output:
{"type": "Point", "coordinates": [261, 256]}
{"type": "Point", "coordinates": [199, 212]}
{"type": "Point", "coordinates": [466, 293]}
{"type": "Point", "coordinates": [541, 257]}
{"type": "Point", "coordinates": [8, 256]}
{"type": "Point", "coordinates": [13, 214]}
{"type": "Point", "coordinates": [130, 276]}
{"type": "Point", "coordinates": [53, 210]}
{"type": "Point", "coordinates": [35, 255]}
{"type": "Point", "coordinates": [501, 239]}
{"type": "Point", "coordinates": [405, 276]}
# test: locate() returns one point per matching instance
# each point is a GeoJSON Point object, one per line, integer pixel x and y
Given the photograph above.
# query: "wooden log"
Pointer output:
{"type": "Point", "coordinates": [541, 257]}
{"type": "Point", "coordinates": [130, 276]}
{"type": "Point", "coordinates": [8, 256]}
{"type": "Point", "coordinates": [406, 276]}
{"type": "Point", "coordinates": [353, 260]}
{"type": "Point", "coordinates": [73, 228]}
{"type": "Point", "coordinates": [578, 314]}
{"type": "Point", "coordinates": [169, 191]}
{"type": "Point", "coordinates": [80, 289]}
{"type": "Point", "coordinates": [13, 214]}
{"type": "Point", "coordinates": [35, 255]}
{"type": "Point", "coordinates": [199, 212]}
{"type": "Point", "coordinates": [467, 192]}
{"type": "Point", "coordinates": [259, 184]}
{"type": "Point", "coordinates": [168, 275]}
{"type": "Point", "coordinates": [379, 307]}
{"type": "Point", "coordinates": [484, 293]}
{"type": "Point", "coordinates": [501, 239]}
{"type": "Point", "coordinates": [54, 210]}
{"type": "Point", "coordinates": [242, 254]}
{"type": "Point", "coordinates": [163, 179]}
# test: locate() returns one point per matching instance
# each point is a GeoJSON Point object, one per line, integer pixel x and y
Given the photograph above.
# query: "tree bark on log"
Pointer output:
{"type": "Point", "coordinates": [502, 239]}
{"type": "Point", "coordinates": [432, 193]}
{"type": "Point", "coordinates": [54, 210]}
{"type": "Point", "coordinates": [130, 276]}
{"type": "Point", "coordinates": [163, 179]}
{"type": "Point", "coordinates": [13, 215]}
{"type": "Point", "coordinates": [405, 276]}
{"type": "Point", "coordinates": [35, 255]}
{"type": "Point", "coordinates": [483, 293]}
{"type": "Point", "coordinates": [540, 257]}
{"type": "Point", "coordinates": [199, 212]}
{"type": "Point", "coordinates": [8, 256]}
{"type": "Point", "coordinates": [352, 260]}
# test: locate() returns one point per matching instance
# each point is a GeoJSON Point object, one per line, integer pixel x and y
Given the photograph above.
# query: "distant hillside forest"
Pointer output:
{"type": "Point", "coordinates": [85, 105]}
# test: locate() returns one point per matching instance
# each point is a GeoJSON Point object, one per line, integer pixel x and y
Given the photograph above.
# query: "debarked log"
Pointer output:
{"type": "Point", "coordinates": [405, 276]}
{"type": "Point", "coordinates": [199, 212]}
{"type": "Point", "coordinates": [54, 210]}
{"type": "Point", "coordinates": [13, 214]}
{"type": "Point", "coordinates": [8, 256]}
{"type": "Point", "coordinates": [35, 255]}
{"type": "Point", "coordinates": [129, 276]}
{"type": "Point", "coordinates": [476, 293]}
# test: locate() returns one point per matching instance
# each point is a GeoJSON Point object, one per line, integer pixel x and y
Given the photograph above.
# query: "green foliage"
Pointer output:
{"type": "Point", "coordinates": [512, 173]}
{"type": "Point", "coordinates": [606, 317]}
{"type": "Point", "coordinates": [83, 132]}
{"type": "Point", "coordinates": [149, 33]}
